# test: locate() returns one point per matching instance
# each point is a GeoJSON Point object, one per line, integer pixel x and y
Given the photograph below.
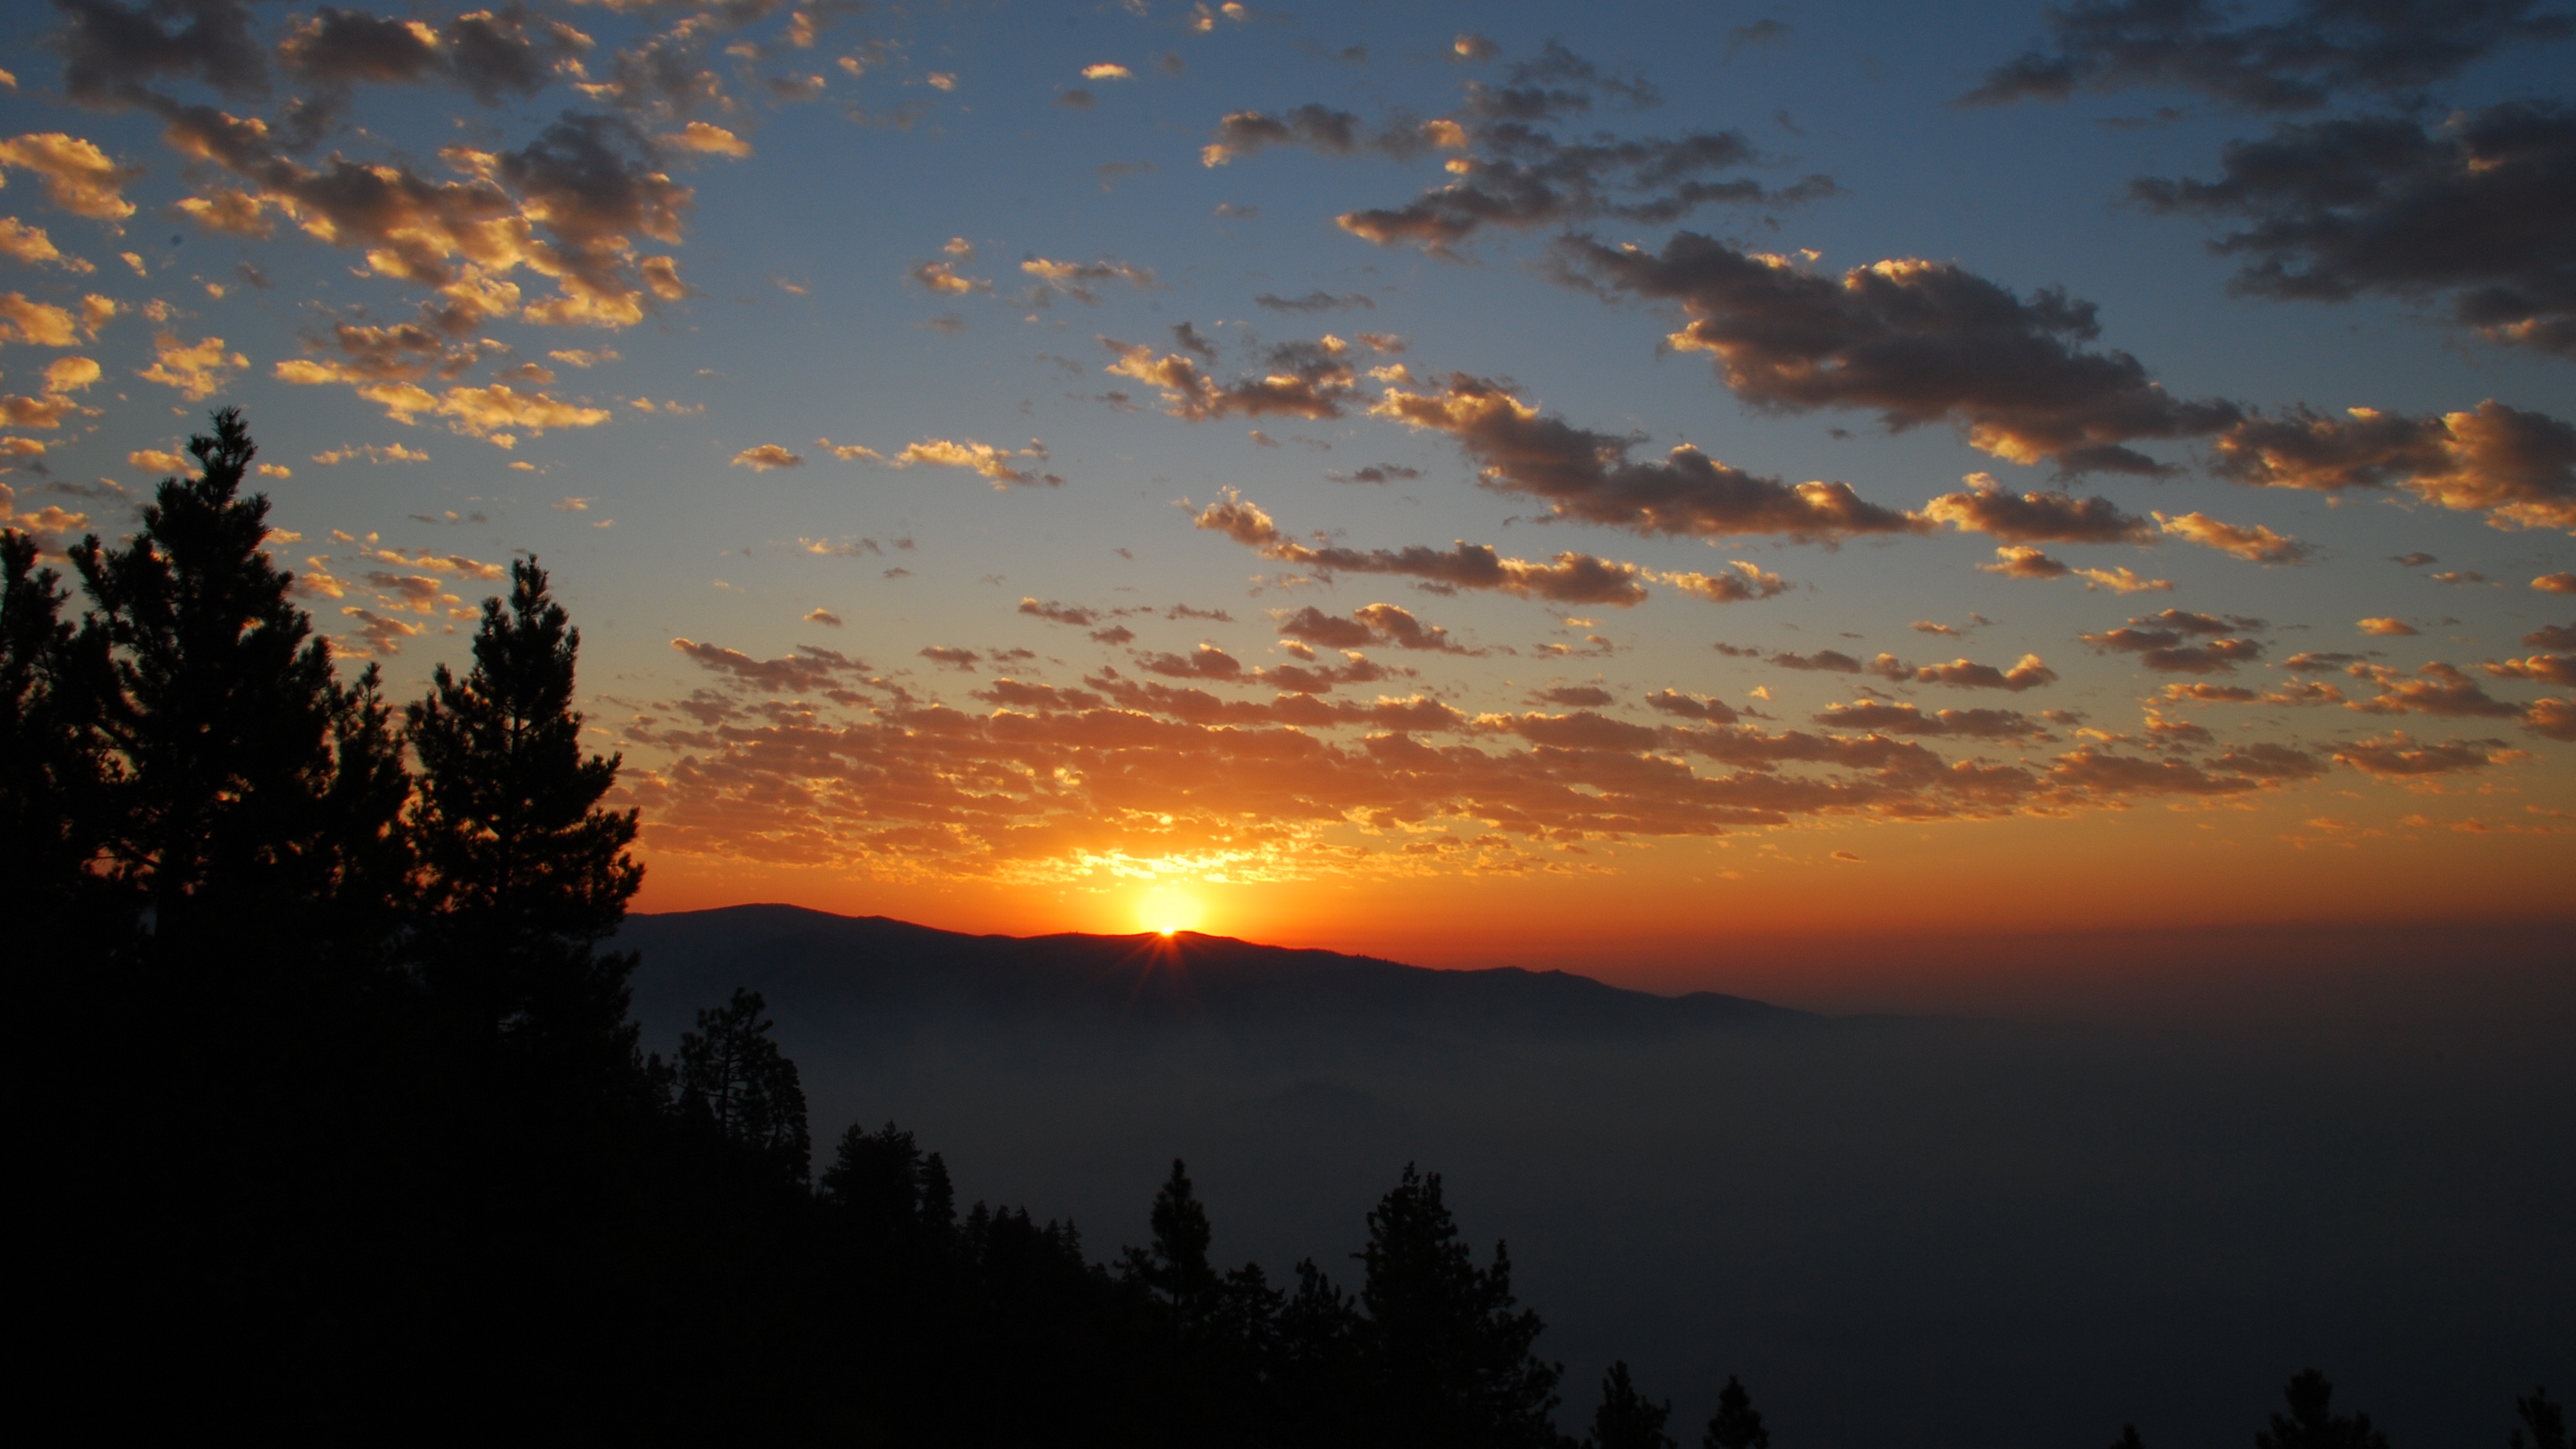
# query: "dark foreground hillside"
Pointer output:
{"type": "Point", "coordinates": [1917, 1231]}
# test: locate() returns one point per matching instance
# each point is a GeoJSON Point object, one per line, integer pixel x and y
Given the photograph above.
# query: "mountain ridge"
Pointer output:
{"type": "Point", "coordinates": [817, 965]}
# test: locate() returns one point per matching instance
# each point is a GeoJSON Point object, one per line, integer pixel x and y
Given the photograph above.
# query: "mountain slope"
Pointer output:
{"type": "Point", "coordinates": [831, 971]}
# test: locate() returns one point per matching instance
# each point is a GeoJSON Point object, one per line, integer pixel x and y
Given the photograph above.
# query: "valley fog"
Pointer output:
{"type": "Point", "coordinates": [1917, 1230]}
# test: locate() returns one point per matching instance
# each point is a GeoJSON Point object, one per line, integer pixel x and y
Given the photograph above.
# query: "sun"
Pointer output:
{"type": "Point", "coordinates": [1166, 910]}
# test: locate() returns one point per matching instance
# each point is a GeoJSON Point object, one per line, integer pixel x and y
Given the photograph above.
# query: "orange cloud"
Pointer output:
{"type": "Point", "coordinates": [31, 246]}
{"type": "Point", "coordinates": [196, 369]}
{"type": "Point", "coordinates": [37, 324]}
{"type": "Point", "coordinates": [982, 458]}
{"type": "Point", "coordinates": [2519, 468]}
{"type": "Point", "coordinates": [767, 456]}
{"type": "Point", "coordinates": [78, 176]}
{"type": "Point", "coordinates": [2253, 543]}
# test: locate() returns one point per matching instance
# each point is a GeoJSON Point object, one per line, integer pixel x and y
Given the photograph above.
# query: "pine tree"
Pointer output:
{"type": "Point", "coordinates": [1626, 1419]}
{"type": "Point", "coordinates": [2129, 1438]}
{"type": "Point", "coordinates": [886, 1189]}
{"type": "Point", "coordinates": [2546, 1421]}
{"type": "Point", "coordinates": [1737, 1424]}
{"type": "Point", "coordinates": [54, 768]}
{"type": "Point", "coordinates": [1175, 1269]}
{"type": "Point", "coordinates": [734, 1076]}
{"type": "Point", "coordinates": [1446, 1347]}
{"type": "Point", "coordinates": [524, 875]}
{"type": "Point", "coordinates": [2311, 1422]}
{"type": "Point", "coordinates": [221, 712]}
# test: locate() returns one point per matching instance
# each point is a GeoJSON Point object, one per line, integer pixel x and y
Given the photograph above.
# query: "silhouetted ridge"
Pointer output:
{"type": "Point", "coordinates": [828, 970]}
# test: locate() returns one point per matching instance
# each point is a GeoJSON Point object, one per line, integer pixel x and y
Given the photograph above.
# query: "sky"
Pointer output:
{"type": "Point", "coordinates": [1476, 484]}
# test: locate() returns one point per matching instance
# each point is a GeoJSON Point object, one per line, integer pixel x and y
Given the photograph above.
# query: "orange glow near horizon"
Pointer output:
{"type": "Point", "coordinates": [1167, 910]}
{"type": "Point", "coordinates": [1726, 912]}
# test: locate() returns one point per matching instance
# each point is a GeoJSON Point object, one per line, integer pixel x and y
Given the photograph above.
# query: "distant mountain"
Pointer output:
{"type": "Point", "coordinates": [843, 974]}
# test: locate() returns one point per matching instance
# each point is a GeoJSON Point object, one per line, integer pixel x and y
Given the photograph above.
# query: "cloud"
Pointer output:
{"type": "Point", "coordinates": [483, 412]}
{"type": "Point", "coordinates": [984, 459]}
{"type": "Point", "coordinates": [1376, 624]}
{"type": "Point", "coordinates": [2399, 758]}
{"type": "Point", "coordinates": [2292, 692]}
{"type": "Point", "coordinates": [198, 370]}
{"type": "Point", "coordinates": [1588, 477]}
{"type": "Point", "coordinates": [1106, 70]}
{"type": "Point", "coordinates": [404, 352]}
{"type": "Point", "coordinates": [1906, 719]}
{"type": "Point", "coordinates": [824, 617]}
{"type": "Point", "coordinates": [377, 636]}
{"type": "Point", "coordinates": [1691, 706]}
{"type": "Point", "coordinates": [2517, 467]}
{"type": "Point", "coordinates": [109, 51]}
{"type": "Point", "coordinates": [2551, 719]}
{"type": "Point", "coordinates": [2476, 207]}
{"type": "Point", "coordinates": [1205, 662]}
{"type": "Point", "coordinates": [2552, 636]}
{"type": "Point", "coordinates": [2022, 561]}
{"type": "Point", "coordinates": [1336, 133]}
{"type": "Point", "coordinates": [2563, 583]}
{"type": "Point", "coordinates": [1828, 660]}
{"type": "Point", "coordinates": [1313, 383]}
{"type": "Point", "coordinates": [1316, 301]}
{"type": "Point", "coordinates": [767, 456]}
{"type": "Point", "coordinates": [2559, 669]}
{"type": "Point", "coordinates": [77, 175]}
{"type": "Point", "coordinates": [1571, 578]}
{"type": "Point", "coordinates": [1056, 613]}
{"type": "Point", "coordinates": [1505, 169]}
{"type": "Point", "coordinates": [2436, 689]}
{"type": "Point", "coordinates": [2253, 542]}
{"type": "Point", "coordinates": [455, 563]}
{"type": "Point", "coordinates": [2122, 776]}
{"type": "Point", "coordinates": [35, 324]}
{"type": "Point", "coordinates": [2027, 672]}
{"type": "Point", "coordinates": [710, 140]}
{"type": "Point", "coordinates": [2386, 628]}
{"type": "Point", "coordinates": [372, 453]}
{"type": "Point", "coordinates": [587, 183]}
{"type": "Point", "coordinates": [810, 670]}
{"type": "Point", "coordinates": [942, 278]}
{"type": "Point", "coordinates": [2299, 61]}
{"type": "Point", "coordinates": [2157, 640]}
{"type": "Point", "coordinates": [1989, 507]}
{"type": "Point", "coordinates": [1916, 341]}
{"type": "Point", "coordinates": [1077, 279]}
{"type": "Point", "coordinates": [963, 660]}
{"type": "Point", "coordinates": [1747, 582]}
{"type": "Point", "coordinates": [30, 246]}
{"type": "Point", "coordinates": [488, 53]}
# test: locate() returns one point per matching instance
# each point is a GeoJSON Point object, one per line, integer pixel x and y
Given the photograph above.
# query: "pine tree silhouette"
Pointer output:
{"type": "Point", "coordinates": [54, 769]}
{"type": "Point", "coordinates": [2128, 1438]}
{"type": "Point", "coordinates": [736, 1078]}
{"type": "Point", "coordinates": [221, 713]}
{"type": "Point", "coordinates": [2546, 1421]}
{"type": "Point", "coordinates": [1175, 1269]}
{"type": "Point", "coordinates": [524, 873]}
{"type": "Point", "coordinates": [2311, 1422]}
{"type": "Point", "coordinates": [1446, 1347]}
{"type": "Point", "coordinates": [1737, 1424]}
{"type": "Point", "coordinates": [1627, 1419]}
